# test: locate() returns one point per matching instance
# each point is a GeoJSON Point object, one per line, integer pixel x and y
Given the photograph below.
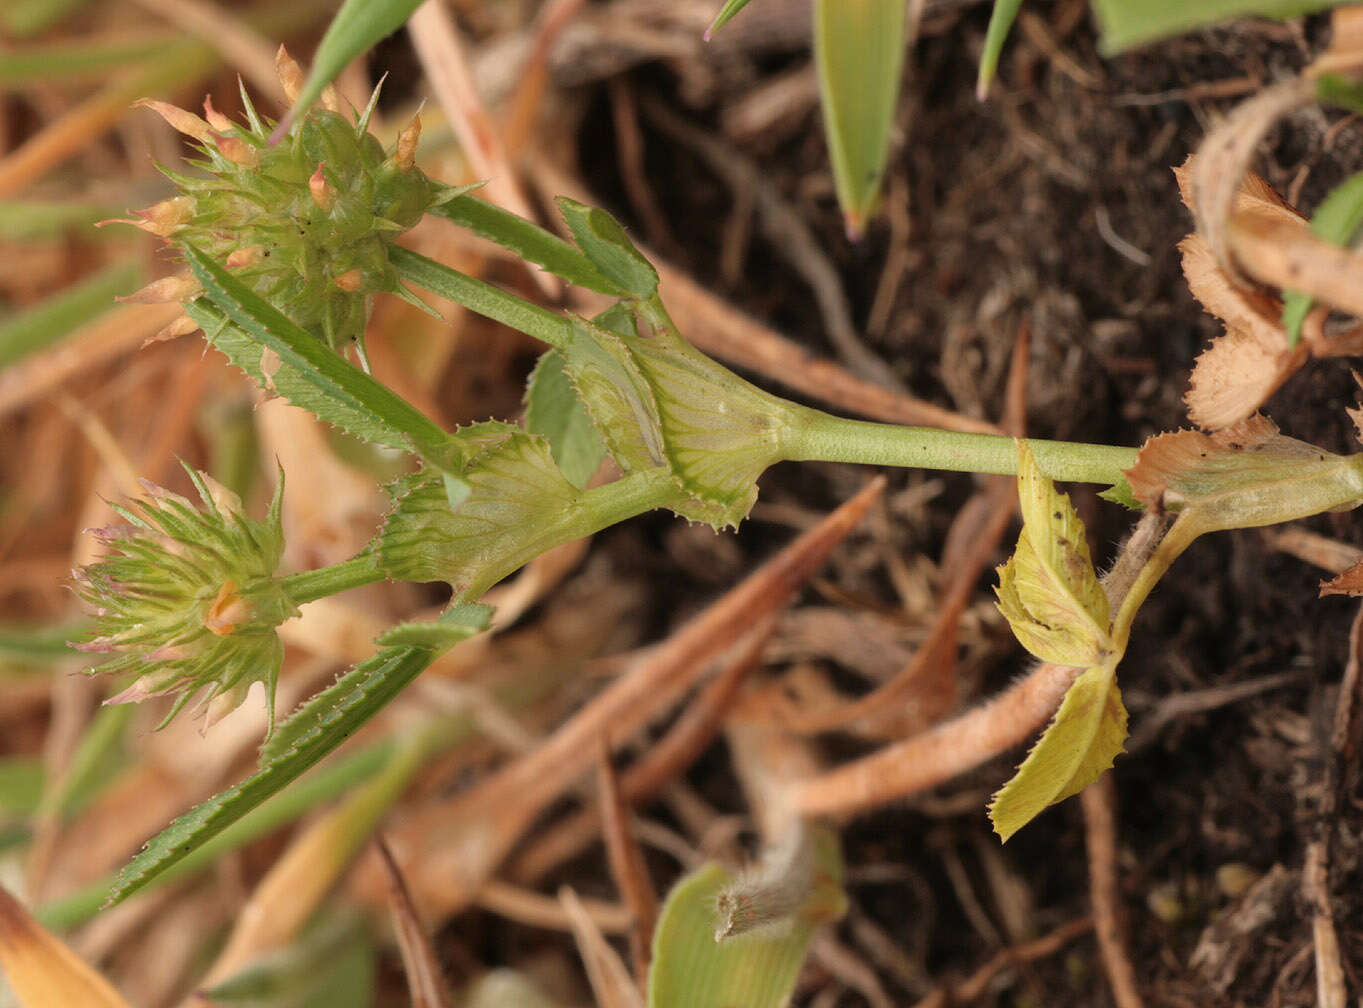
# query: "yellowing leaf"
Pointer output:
{"type": "Point", "coordinates": [43, 972]}
{"type": "Point", "coordinates": [1242, 477]}
{"type": "Point", "coordinates": [1048, 590]}
{"type": "Point", "coordinates": [1082, 740]}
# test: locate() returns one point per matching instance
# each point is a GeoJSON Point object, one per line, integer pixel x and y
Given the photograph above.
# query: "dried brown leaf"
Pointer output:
{"type": "Point", "coordinates": [424, 980]}
{"type": "Point", "coordinates": [1285, 252]}
{"type": "Point", "coordinates": [43, 972]}
{"type": "Point", "coordinates": [1348, 583]}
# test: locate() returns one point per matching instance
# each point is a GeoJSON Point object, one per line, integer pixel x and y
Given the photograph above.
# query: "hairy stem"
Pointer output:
{"type": "Point", "coordinates": [309, 586]}
{"type": "Point", "coordinates": [825, 438]}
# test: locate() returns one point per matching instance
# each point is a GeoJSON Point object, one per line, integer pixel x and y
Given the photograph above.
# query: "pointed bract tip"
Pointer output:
{"type": "Point", "coordinates": [238, 151]}
{"type": "Point", "coordinates": [215, 118]}
{"type": "Point", "coordinates": [855, 226]}
{"type": "Point", "coordinates": [179, 119]}
{"type": "Point", "coordinates": [164, 290]}
{"type": "Point", "coordinates": [405, 156]}
{"type": "Point", "coordinates": [181, 326]}
{"type": "Point", "coordinates": [323, 194]}
{"type": "Point", "coordinates": [290, 74]}
{"type": "Point", "coordinates": [707, 34]}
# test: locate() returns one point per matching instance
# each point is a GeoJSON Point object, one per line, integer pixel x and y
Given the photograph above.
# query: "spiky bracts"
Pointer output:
{"type": "Point", "coordinates": [186, 596]}
{"type": "Point", "coordinates": [307, 222]}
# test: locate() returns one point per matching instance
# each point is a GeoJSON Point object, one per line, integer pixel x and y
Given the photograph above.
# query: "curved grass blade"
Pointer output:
{"type": "Point", "coordinates": [1001, 20]}
{"type": "Point", "coordinates": [357, 26]}
{"type": "Point", "coordinates": [725, 15]}
{"type": "Point", "coordinates": [338, 381]}
{"type": "Point", "coordinates": [859, 49]}
{"type": "Point", "coordinates": [1338, 219]}
{"type": "Point", "coordinates": [528, 240]}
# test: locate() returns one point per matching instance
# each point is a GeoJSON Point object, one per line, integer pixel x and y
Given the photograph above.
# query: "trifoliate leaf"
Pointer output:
{"type": "Point", "coordinates": [606, 244]}
{"type": "Point", "coordinates": [1081, 742]}
{"type": "Point", "coordinates": [553, 409]}
{"type": "Point", "coordinates": [1048, 590]}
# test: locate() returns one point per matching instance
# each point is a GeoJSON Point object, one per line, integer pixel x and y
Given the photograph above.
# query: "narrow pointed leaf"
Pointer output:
{"type": "Point", "coordinates": [859, 49]}
{"type": "Point", "coordinates": [553, 409]}
{"type": "Point", "coordinates": [529, 241]}
{"type": "Point", "coordinates": [725, 15]}
{"type": "Point", "coordinates": [357, 27]}
{"type": "Point", "coordinates": [606, 244]}
{"type": "Point", "coordinates": [1001, 20]}
{"type": "Point", "coordinates": [312, 733]}
{"type": "Point", "coordinates": [337, 381]}
{"type": "Point", "coordinates": [1082, 740]}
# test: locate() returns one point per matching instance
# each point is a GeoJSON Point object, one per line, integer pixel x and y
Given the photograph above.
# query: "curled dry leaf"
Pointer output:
{"type": "Point", "coordinates": [1287, 253]}
{"type": "Point", "coordinates": [1242, 368]}
{"type": "Point", "coordinates": [1216, 171]}
{"type": "Point", "coordinates": [41, 970]}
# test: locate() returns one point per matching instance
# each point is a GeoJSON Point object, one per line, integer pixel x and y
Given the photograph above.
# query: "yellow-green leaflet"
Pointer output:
{"type": "Point", "coordinates": [757, 969]}
{"type": "Point", "coordinates": [1048, 590]}
{"type": "Point", "coordinates": [859, 48]}
{"type": "Point", "coordinates": [1082, 740]}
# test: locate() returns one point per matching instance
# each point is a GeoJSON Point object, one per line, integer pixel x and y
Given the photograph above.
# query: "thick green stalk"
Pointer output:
{"type": "Point", "coordinates": [309, 586]}
{"type": "Point", "coordinates": [824, 438]}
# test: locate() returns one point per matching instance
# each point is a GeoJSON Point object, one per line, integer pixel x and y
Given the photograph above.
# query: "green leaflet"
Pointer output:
{"type": "Point", "coordinates": [357, 27]}
{"type": "Point", "coordinates": [614, 392]}
{"type": "Point", "coordinates": [453, 626]}
{"type": "Point", "coordinates": [1128, 23]}
{"type": "Point", "coordinates": [1048, 590]}
{"type": "Point", "coordinates": [1001, 20]}
{"type": "Point", "coordinates": [1081, 742]}
{"type": "Point", "coordinates": [756, 969]}
{"type": "Point", "coordinates": [859, 49]}
{"type": "Point", "coordinates": [1338, 219]}
{"type": "Point", "coordinates": [317, 728]}
{"type": "Point", "coordinates": [528, 240]}
{"type": "Point", "coordinates": [344, 394]}
{"type": "Point", "coordinates": [725, 15]}
{"type": "Point", "coordinates": [479, 296]}
{"type": "Point", "coordinates": [515, 510]}
{"type": "Point", "coordinates": [609, 248]}
{"type": "Point", "coordinates": [553, 410]}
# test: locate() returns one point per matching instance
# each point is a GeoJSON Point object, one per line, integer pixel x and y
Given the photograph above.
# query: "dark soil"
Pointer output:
{"type": "Point", "coordinates": [1007, 212]}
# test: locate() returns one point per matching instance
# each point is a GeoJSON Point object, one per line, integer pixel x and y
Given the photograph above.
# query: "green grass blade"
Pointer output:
{"type": "Point", "coordinates": [68, 61]}
{"type": "Point", "coordinates": [357, 26]}
{"type": "Point", "coordinates": [338, 381]}
{"type": "Point", "coordinates": [481, 297]}
{"type": "Point", "coordinates": [1338, 219]}
{"type": "Point", "coordinates": [725, 15]}
{"type": "Point", "coordinates": [23, 18]}
{"type": "Point", "coordinates": [1128, 23]}
{"type": "Point", "coordinates": [324, 784]}
{"type": "Point", "coordinates": [1001, 20]}
{"type": "Point", "coordinates": [21, 785]}
{"type": "Point", "coordinates": [528, 240]}
{"type": "Point", "coordinates": [859, 49]}
{"type": "Point", "coordinates": [52, 320]}
{"type": "Point", "coordinates": [369, 687]}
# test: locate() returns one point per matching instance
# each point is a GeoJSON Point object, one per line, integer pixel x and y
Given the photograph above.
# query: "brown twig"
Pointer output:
{"type": "Point", "coordinates": [462, 842]}
{"type": "Point", "coordinates": [424, 980]}
{"type": "Point", "coordinates": [626, 862]}
{"type": "Point", "coordinates": [979, 982]}
{"type": "Point", "coordinates": [662, 762]}
{"type": "Point", "coordinates": [1100, 834]}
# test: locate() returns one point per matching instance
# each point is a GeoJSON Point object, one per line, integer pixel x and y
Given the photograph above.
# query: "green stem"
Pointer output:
{"type": "Point", "coordinates": [309, 586]}
{"type": "Point", "coordinates": [824, 438]}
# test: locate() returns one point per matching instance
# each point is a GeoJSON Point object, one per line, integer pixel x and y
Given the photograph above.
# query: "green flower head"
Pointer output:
{"type": "Point", "coordinates": [186, 597]}
{"type": "Point", "coordinates": [306, 222]}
